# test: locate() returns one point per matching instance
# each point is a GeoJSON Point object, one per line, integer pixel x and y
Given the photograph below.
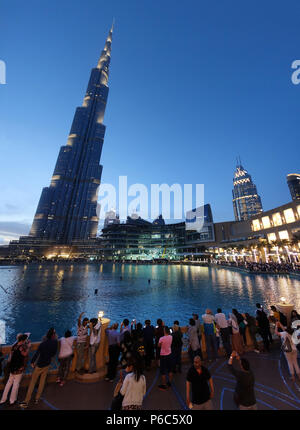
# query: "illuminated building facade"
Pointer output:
{"type": "Point", "coordinates": [138, 239]}
{"type": "Point", "coordinates": [293, 180]}
{"type": "Point", "coordinates": [246, 201]}
{"type": "Point", "coordinates": [67, 208]}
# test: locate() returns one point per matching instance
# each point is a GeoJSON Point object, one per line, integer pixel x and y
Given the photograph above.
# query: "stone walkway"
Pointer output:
{"type": "Point", "coordinates": [274, 389]}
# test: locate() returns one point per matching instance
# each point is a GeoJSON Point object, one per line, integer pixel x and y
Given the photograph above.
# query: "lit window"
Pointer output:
{"type": "Point", "coordinates": [256, 224]}
{"type": "Point", "coordinates": [298, 209]}
{"type": "Point", "coordinates": [289, 215]}
{"type": "Point", "coordinates": [283, 235]}
{"type": "Point", "coordinates": [272, 237]}
{"type": "Point", "coordinates": [277, 219]}
{"type": "Point", "coordinates": [266, 222]}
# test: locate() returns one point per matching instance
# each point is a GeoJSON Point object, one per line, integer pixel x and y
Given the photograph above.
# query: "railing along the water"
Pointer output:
{"type": "Point", "coordinates": [101, 360]}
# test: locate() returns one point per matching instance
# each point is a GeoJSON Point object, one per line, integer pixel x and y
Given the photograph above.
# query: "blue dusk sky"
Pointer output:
{"type": "Point", "coordinates": [193, 84]}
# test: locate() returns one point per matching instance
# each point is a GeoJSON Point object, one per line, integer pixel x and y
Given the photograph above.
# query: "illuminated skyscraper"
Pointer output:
{"type": "Point", "coordinates": [246, 201]}
{"type": "Point", "coordinates": [293, 180]}
{"type": "Point", "coordinates": [67, 208]}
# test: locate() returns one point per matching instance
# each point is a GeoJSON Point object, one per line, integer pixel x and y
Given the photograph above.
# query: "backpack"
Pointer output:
{"type": "Point", "coordinates": [286, 345]}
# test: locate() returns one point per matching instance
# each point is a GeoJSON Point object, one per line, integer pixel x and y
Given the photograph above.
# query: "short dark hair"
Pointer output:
{"type": "Point", "coordinates": [245, 364]}
{"type": "Point", "coordinates": [192, 321]}
{"type": "Point", "coordinates": [68, 333]}
{"type": "Point", "coordinates": [159, 322]}
{"type": "Point", "coordinates": [126, 322]}
{"type": "Point", "coordinates": [147, 322]}
{"type": "Point", "coordinates": [258, 305]}
{"type": "Point", "coordinates": [22, 337]}
{"type": "Point", "coordinates": [94, 321]}
{"type": "Point", "coordinates": [176, 322]}
{"type": "Point", "coordinates": [50, 333]}
{"type": "Point", "coordinates": [219, 310]}
{"type": "Point", "coordinates": [166, 329]}
{"type": "Point", "coordinates": [85, 319]}
{"type": "Point", "coordinates": [273, 308]}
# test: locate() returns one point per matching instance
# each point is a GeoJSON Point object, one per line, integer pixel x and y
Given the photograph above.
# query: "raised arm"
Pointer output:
{"type": "Point", "coordinates": [79, 319]}
{"type": "Point", "coordinates": [230, 366]}
{"type": "Point", "coordinates": [278, 324]}
{"type": "Point", "coordinates": [124, 386]}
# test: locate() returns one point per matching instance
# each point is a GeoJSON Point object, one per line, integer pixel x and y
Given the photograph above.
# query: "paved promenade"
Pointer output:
{"type": "Point", "coordinates": [274, 389]}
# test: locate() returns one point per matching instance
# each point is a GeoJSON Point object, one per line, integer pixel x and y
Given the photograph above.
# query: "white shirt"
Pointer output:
{"type": "Point", "coordinates": [66, 346]}
{"type": "Point", "coordinates": [234, 325]}
{"type": "Point", "coordinates": [221, 320]}
{"type": "Point", "coordinates": [132, 390]}
{"type": "Point", "coordinates": [208, 318]}
{"type": "Point", "coordinates": [95, 337]}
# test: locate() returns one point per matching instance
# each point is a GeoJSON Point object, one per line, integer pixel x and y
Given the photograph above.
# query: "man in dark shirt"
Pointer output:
{"type": "Point", "coordinates": [41, 362]}
{"type": "Point", "coordinates": [113, 351]}
{"type": "Point", "coordinates": [200, 381]}
{"type": "Point", "coordinates": [148, 334]}
{"type": "Point", "coordinates": [244, 391]}
{"type": "Point", "coordinates": [264, 326]}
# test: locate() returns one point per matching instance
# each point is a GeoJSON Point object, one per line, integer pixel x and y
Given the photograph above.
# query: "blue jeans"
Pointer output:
{"type": "Point", "coordinates": [211, 346]}
{"type": "Point", "coordinates": [92, 356]}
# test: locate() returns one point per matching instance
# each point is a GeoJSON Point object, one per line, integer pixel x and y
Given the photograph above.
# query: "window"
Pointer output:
{"type": "Point", "coordinates": [256, 224]}
{"type": "Point", "coordinates": [283, 235]}
{"type": "Point", "coordinates": [289, 215]}
{"type": "Point", "coordinates": [277, 219]}
{"type": "Point", "coordinates": [272, 237]}
{"type": "Point", "coordinates": [266, 222]}
{"type": "Point", "coordinates": [298, 209]}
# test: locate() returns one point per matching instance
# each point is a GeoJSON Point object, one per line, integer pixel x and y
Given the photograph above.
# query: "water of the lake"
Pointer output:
{"type": "Point", "coordinates": [36, 297]}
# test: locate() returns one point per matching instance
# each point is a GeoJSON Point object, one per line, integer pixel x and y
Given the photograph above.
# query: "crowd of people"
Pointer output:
{"type": "Point", "coordinates": [133, 348]}
{"type": "Point", "coordinates": [271, 267]}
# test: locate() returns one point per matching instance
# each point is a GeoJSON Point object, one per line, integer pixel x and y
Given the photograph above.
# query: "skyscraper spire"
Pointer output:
{"type": "Point", "coordinates": [104, 59]}
{"type": "Point", "coordinates": [67, 208]}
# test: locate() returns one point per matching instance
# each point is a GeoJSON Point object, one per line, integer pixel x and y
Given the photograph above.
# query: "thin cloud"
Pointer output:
{"type": "Point", "coordinates": [10, 230]}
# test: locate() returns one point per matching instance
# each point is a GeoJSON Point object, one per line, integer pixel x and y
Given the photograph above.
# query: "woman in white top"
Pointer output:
{"type": "Point", "coordinates": [133, 388]}
{"type": "Point", "coordinates": [288, 344]}
{"type": "Point", "coordinates": [65, 357]}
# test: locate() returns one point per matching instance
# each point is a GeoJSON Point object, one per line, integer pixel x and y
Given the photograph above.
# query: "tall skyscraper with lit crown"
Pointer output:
{"type": "Point", "coordinates": [246, 201]}
{"type": "Point", "coordinates": [67, 208]}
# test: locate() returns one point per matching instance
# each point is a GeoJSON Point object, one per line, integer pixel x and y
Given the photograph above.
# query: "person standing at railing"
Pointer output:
{"type": "Point", "coordinates": [222, 324]}
{"type": "Point", "coordinates": [17, 365]}
{"type": "Point", "coordinates": [82, 342]}
{"type": "Point", "coordinates": [210, 336]}
{"type": "Point", "coordinates": [95, 337]}
{"type": "Point", "coordinates": [65, 357]}
{"type": "Point", "coordinates": [193, 340]}
{"type": "Point", "coordinates": [41, 362]}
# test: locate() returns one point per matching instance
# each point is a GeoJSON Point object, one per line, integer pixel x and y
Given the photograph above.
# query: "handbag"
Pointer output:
{"type": "Point", "coordinates": [286, 345]}
{"type": "Point", "coordinates": [116, 404]}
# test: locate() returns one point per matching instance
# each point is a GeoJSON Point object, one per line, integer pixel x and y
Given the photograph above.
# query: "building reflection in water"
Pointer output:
{"type": "Point", "coordinates": [36, 298]}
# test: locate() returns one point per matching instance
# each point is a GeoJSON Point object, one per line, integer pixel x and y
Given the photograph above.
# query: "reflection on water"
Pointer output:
{"type": "Point", "coordinates": [35, 297]}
